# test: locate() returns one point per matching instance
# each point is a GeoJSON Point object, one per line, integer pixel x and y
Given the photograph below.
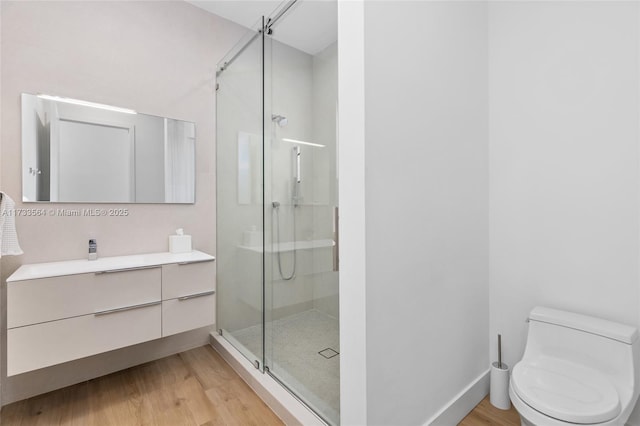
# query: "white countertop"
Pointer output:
{"type": "Point", "coordinates": [84, 266]}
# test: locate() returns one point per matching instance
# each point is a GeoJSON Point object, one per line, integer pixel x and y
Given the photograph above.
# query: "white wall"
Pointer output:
{"type": "Point", "coordinates": [564, 80]}
{"type": "Point", "coordinates": [426, 205]}
{"type": "Point", "coordinates": [564, 162]}
{"type": "Point", "coordinates": [155, 57]}
{"type": "Point", "coordinates": [351, 196]}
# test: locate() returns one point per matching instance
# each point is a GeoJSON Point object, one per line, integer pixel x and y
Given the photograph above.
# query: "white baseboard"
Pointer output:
{"type": "Point", "coordinates": [286, 406]}
{"type": "Point", "coordinates": [463, 403]}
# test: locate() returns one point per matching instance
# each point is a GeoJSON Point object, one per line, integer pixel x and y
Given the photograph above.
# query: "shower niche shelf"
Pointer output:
{"type": "Point", "coordinates": [290, 246]}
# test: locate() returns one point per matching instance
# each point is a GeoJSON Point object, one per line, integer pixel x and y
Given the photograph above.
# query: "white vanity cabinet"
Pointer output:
{"type": "Point", "coordinates": [188, 290]}
{"type": "Point", "coordinates": [62, 311]}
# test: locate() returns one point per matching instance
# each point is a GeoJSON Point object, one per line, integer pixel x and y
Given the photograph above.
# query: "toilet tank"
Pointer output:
{"type": "Point", "coordinates": [606, 346]}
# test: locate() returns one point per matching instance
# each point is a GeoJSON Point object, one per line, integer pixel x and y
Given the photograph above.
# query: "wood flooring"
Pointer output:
{"type": "Point", "coordinates": [196, 387]}
{"type": "Point", "coordinates": [486, 414]}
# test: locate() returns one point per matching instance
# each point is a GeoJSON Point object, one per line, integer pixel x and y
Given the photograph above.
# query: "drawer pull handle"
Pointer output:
{"type": "Point", "coordinates": [136, 268]}
{"type": "Point", "coordinates": [127, 308]}
{"type": "Point", "coordinates": [191, 262]}
{"type": "Point", "coordinates": [193, 296]}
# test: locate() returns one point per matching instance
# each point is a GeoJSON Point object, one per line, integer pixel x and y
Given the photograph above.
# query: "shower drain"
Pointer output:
{"type": "Point", "coordinates": [328, 353]}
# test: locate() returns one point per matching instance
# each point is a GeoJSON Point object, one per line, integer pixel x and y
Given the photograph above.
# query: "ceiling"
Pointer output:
{"type": "Point", "coordinates": [310, 26]}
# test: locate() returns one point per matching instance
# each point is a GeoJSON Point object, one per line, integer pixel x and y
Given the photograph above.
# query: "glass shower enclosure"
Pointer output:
{"type": "Point", "coordinates": [277, 211]}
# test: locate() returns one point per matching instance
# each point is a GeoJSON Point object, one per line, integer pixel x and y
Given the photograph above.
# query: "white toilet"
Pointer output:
{"type": "Point", "coordinates": [576, 370]}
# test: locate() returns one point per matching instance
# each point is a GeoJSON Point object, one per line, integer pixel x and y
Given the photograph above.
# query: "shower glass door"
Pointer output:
{"type": "Point", "coordinates": [277, 211]}
{"type": "Point", "coordinates": [301, 260]}
{"type": "Point", "coordinates": [240, 195]}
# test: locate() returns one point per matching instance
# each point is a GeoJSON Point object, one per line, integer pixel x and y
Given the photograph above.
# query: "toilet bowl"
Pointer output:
{"type": "Point", "coordinates": [576, 370]}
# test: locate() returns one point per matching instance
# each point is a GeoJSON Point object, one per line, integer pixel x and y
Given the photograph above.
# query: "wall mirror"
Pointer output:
{"type": "Point", "coordinates": [75, 151]}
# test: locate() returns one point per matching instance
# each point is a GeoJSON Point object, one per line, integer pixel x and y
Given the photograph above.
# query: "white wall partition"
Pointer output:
{"type": "Point", "coordinates": [351, 156]}
{"type": "Point", "coordinates": [426, 156]}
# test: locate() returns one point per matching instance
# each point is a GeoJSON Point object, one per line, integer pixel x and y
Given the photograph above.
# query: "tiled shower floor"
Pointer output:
{"type": "Point", "coordinates": [293, 355]}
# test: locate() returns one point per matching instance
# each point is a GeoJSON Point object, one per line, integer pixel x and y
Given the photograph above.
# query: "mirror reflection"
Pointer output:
{"type": "Point", "coordinates": [79, 151]}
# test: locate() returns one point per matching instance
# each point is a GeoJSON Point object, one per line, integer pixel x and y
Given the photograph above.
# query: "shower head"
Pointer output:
{"type": "Point", "coordinates": [280, 120]}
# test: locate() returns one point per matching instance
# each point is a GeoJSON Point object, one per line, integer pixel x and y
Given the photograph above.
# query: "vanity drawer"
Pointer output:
{"type": "Point", "coordinates": [42, 345]}
{"type": "Point", "coordinates": [187, 313]}
{"type": "Point", "coordinates": [186, 279]}
{"type": "Point", "coordinates": [49, 299]}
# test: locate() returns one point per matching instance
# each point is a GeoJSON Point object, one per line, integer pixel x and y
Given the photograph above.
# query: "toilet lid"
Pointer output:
{"type": "Point", "coordinates": [566, 391]}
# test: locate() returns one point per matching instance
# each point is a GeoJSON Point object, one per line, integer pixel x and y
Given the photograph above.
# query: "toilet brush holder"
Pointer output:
{"type": "Point", "coordinates": [499, 389]}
